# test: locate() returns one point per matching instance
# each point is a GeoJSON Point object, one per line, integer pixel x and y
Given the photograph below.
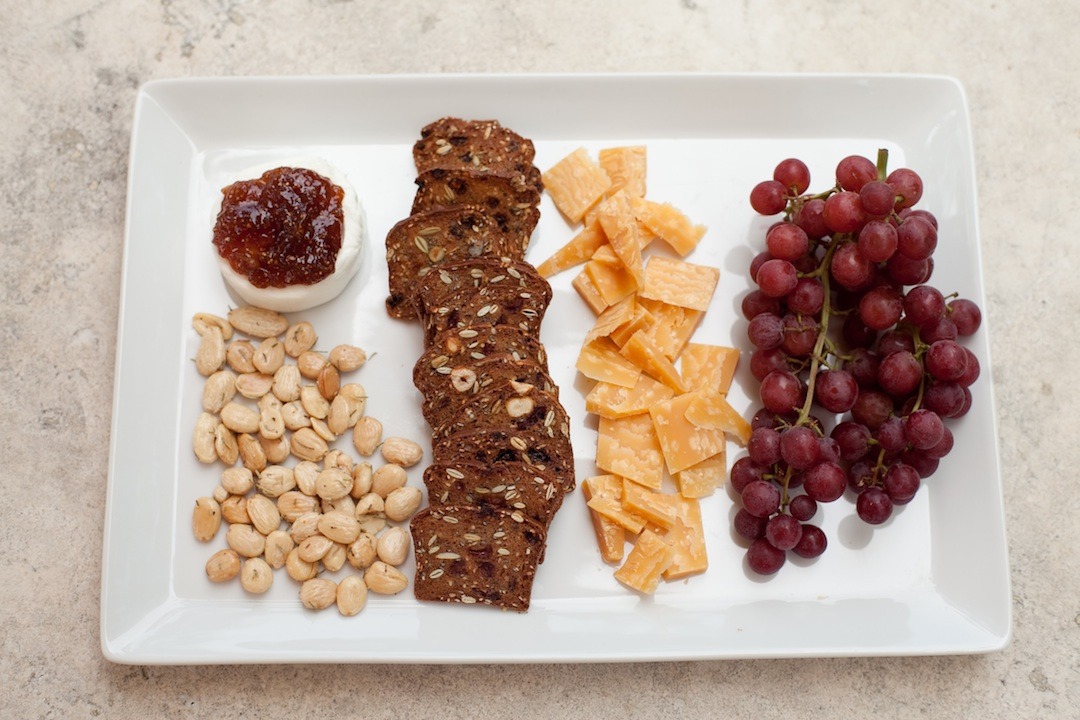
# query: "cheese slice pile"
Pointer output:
{"type": "Point", "coordinates": [660, 398]}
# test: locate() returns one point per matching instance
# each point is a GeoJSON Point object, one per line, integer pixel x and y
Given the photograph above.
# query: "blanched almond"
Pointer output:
{"type": "Point", "coordinates": [286, 384]}
{"type": "Point", "coordinates": [315, 405]}
{"type": "Point", "coordinates": [367, 434]}
{"type": "Point", "coordinates": [223, 565]}
{"type": "Point", "coordinates": [251, 452]}
{"type": "Point", "coordinates": [225, 445]}
{"type": "Point", "coordinates": [298, 569]}
{"type": "Point", "coordinates": [401, 451]}
{"type": "Point", "coordinates": [299, 338]}
{"type": "Point", "coordinates": [206, 519]}
{"type": "Point", "coordinates": [263, 513]}
{"type": "Point", "coordinates": [401, 503]}
{"type": "Point", "coordinates": [219, 389]}
{"type": "Point", "coordinates": [245, 540]}
{"type": "Point", "coordinates": [347, 358]}
{"type": "Point", "coordinates": [203, 438]}
{"type": "Point", "coordinates": [275, 480]}
{"type": "Point", "coordinates": [256, 576]}
{"type": "Point", "coordinates": [339, 527]}
{"type": "Point", "coordinates": [269, 356]}
{"type": "Point", "coordinates": [393, 546]}
{"type": "Point", "coordinates": [254, 385]}
{"type": "Point", "coordinates": [293, 504]}
{"type": "Point", "coordinates": [311, 364]}
{"type": "Point", "coordinates": [384, 579]}
{"type": "Point", "coordinates": [204, 321]}
{"type": "Point", "coordinates": [335, 558]}
{"type": "Point", "coordinates": [240, 418]}
{"type": "Point", "coordinates": [278, 546]}
{"type": "Point", "coordinates": [239, 356]}
{"type": "Point", "coordinates": [318, 593]}
{"type": "Point", "coordinates": [238, 481]}
{"type": "Point", "coordinates": [312, 549]}
{"type": "Point", "coordinates": [387, 479]}
{"type": "Point", "coordinates": [211, 353]}
{"type": "Point", "coordinates": [333, 483]}
{"type": "Point", "coordinates": [363, 551]}
{"type": "Point", "coordinates": [351, 595]}
{"type": "Point", "coordinates": [307, 445]}
{"type": "Point", "coordinates": [258, 322]}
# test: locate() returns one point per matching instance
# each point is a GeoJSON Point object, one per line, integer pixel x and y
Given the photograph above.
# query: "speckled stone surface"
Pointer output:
{"type": "Point", "coordinates": [69, 73]}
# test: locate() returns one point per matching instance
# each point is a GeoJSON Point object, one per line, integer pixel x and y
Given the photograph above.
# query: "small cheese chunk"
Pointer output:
{"type": "Point", "coordinates": [588, 292]}
{"type": "Point", "coordinates": [671, 225]}
{"type": "Point", "coordinates": [601, 360]}
{"type": "Point", "coordinates": [613, 318]}
{"type": "Point", "coordinates": [655, 507]}
{"type": "Point", "coordinates": [626, 166]}
{"type": "Point", "coordinates": [614, 401]}
{"type": "Point", "coordinates": [646, 563]}
{"type": "Point", "coordinates": [629, 447]}
{"type": "Point", "coordinates": [612, 282]}
{"type": "Point", "coordinates": [702, 479]}
{"type": "Point", "coordinates": [708, 366]}
{"type": "Point", "coordinates": [575, 183]}
{"type": "Point", "coordinates": [686, 537]}
{"type": "Point", "coordinates": [644, 353]}
{"type": "Point", "coordinates": [683, 443]}
{"type": "Point", "coordinates": [679, 283]}
{"type": "Point", "coordinates": [580, 248]}
{"type": "Point", "coordinates": [709, 410]}
{"type": "Point", "coordinates": [610, 536]}
{"type": "Point", "coordinates": [672, 326]}
{"type": "Point", "coordinates": [616, 512]}
{"type": "Point", "coordinates": [617, 219]}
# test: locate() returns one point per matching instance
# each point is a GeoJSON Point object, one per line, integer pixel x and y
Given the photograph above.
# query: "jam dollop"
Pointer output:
{"type": "Point", "coordinates": [283, 228]}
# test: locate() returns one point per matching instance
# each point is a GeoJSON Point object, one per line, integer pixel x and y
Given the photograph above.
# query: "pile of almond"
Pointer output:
{"type": "Point", "coordinates": [270, 397]}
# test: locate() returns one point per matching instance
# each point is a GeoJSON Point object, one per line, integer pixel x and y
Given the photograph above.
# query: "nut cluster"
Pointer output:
{"type": "Point", "coordinates": [265, 402]}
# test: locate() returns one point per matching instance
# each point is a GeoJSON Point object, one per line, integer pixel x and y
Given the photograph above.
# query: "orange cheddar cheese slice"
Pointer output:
{"type": "Point", "coordinates": [708, 366]}
{"type": "Point", "coordinates": [626, 166]}
{"type": "Point", "coordinates": [702, 479]}
{"type": "Point", "coordinates": [672, 326]}
{"type": "Point", "coordinates": [611, 281]}
{"type": "Point", "coordinates": [617, 219]}
{"type": "Point", "coordinates": [614, 401]}
{"type": "Point", "coordinates": [655, 507]}
{"type": "Point", "coordinates": [687, 539]}
{"type": "Point", "coordinates": [710, 410]}
{"type": "Point", "coordinates": [606, 254]}
{"type": "Point", "coordinates": [630, 448]}
{"type": "Point", "coordinates": [646, 563]}
{"type": "Point", "coordinates": [575, 183]}
{"type": "Point", "coordinates": [588, 292]}
{"type": "Point", "coordinates": [671, 225]}
{"type": "Point", "coordinates": [683, 443]}
{"type": "Point", "coordinates": [601, 360]}
{"type": "Point", "coordinates": [642, 319]}
{"type": "Point", "coordinates": [613, 318]}
{"type": "Point", "coordinates": [610, 536]}
{"type": "Point", "coordinates": [580, 248]}
{"type": "Point", "coordinates": [643, 352]}
{"type": "Point", "coordinates": [677, 282]}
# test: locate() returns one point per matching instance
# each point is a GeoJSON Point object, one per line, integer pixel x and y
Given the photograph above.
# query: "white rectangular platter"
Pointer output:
{"type": "Point", "coordinates": [932, 580]}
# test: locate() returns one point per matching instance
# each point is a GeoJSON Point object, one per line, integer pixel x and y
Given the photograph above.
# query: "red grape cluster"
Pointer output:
{"type": "Point", "coordinates": [845, 328]}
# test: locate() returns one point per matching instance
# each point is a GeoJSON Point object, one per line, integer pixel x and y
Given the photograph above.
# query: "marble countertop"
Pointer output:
{"type": "Point", "coordinates": [69, 73]}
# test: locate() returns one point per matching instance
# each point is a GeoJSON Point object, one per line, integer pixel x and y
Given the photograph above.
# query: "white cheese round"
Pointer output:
{"type": "Point", "coordinates": [294, 298]}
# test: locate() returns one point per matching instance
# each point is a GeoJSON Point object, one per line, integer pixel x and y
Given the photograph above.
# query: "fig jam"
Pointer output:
{"type": "Point", "coordinates": [284, 228]}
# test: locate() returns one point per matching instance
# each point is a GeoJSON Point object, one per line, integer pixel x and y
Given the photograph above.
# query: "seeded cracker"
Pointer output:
{"type": "Point", "coordinates": [451, 385]}
{"type": "Point", "coordinates": [514, 208]}
{"type": "Point", "coordinates": [476, 555]}
{"type": "Point", "coordinates": [420, 243]}
{"type": "Point", "coordinates": [536, 493]}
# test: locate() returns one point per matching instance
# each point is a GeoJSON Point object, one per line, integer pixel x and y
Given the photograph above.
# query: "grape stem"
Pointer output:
{"type": "Point", "coordinates": [882, 163]}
